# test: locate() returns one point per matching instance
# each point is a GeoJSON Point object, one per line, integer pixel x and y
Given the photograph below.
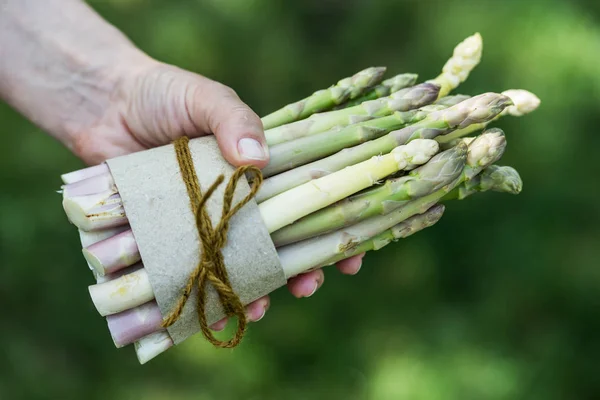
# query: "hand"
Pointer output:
{"type": "Point", "coordinates": [83, 82]}
{"type": "Point", "coordinates": [156, 103]}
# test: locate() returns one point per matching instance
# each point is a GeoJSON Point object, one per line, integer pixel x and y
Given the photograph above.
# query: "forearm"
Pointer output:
{"type": "Point", "coordinates": [59, 58]}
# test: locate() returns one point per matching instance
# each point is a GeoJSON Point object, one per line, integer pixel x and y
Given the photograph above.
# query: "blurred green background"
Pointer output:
{"type": "Point", "coordinates": [500, 300]}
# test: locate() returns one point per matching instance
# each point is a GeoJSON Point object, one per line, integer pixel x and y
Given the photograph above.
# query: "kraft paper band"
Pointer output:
{"type": "Point", "coordinates": [157, 207]}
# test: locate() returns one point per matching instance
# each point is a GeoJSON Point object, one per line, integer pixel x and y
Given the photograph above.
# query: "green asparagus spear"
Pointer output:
{"type": "Point", "coordinates": [403, 100]}
{"type": "Point", "coordinates": [326, 99]}
{"type": "Point", "coordinates": [471, 111]}
{"type": "Point", "coordinates": [524, 102]}
{"type": "Point", "coordinates": [457, 163]}
{"type": "Point", "coordinates": [401, 231]}
{"type": "Point", "coordinates": [439, 171]}
{"type": "Point", "coordinates": [494, 178]}
{"type": "Point", "coordinates": [385, 88]}
{"type": "Point", "coordinates": [317, 250]}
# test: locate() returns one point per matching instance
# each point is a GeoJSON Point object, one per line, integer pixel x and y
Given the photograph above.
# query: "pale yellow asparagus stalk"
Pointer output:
{"type": "Point", "coordinates": [465, 58]}
{"type": "Point", "coordinates": [302, 200]}
{"type": "Point", "coordinates": [123, 293]}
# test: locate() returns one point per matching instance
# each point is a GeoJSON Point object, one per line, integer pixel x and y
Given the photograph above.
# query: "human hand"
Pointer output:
{"type": "Point", "coordinates": [86, 84]}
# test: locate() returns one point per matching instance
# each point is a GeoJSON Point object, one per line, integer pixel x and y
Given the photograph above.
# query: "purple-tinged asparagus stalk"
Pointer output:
{"type": "Point", "coordinates": [113, 254]}
{"type": "Point", "coordinates": [93, 185]}
{"type": "Point", "coordinates": [85, 173]}
{"type": "Point", "coordinates": [131, 325]}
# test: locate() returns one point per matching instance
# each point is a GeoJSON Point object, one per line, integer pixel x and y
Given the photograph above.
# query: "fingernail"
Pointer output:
{"type": "Point", "coordinates": [262, 315]}
{"type": "Point", "coordinates": [315, 289]}
{"type": "Point", "coordinates": [359, 267]}
{"type": "Point", "coordinates": [251, 149]}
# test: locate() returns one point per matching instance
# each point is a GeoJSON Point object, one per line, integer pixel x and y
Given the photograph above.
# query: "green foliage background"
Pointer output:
{"type": "Point", "coordinates": [499, 301]}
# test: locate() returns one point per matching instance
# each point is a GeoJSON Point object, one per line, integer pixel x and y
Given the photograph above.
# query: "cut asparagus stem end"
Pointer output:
{"type": "Point", "coordinates": [113, 254]}
{"type": "Point", "coordinates": [152, 345]}
{"type": "Point", "coordinates": [95, 212]}
{"type": "Point", "coordinates": [131, 325]}
{"type": "Point", "coordinates": [123, 293]}
{"type": "Point", "coordinates": [85, 173]}
{"type": "Point", "coordinates": [93, 185]}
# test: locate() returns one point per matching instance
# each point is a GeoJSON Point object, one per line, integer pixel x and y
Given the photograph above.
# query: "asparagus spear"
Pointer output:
{"type": "Point", "coordinates": [296, 203]}
{"type": "Point", "coordinates": [152, 345]}
{"type": "Point", "coordinates": [465, 58]}
{"type": "Point", "coordinates": [450, 101]}
{"type": "Point", "coordinates": [494, 178]}
{"type": "Point", "coordinates": [473, 110]}
{"type": "Point", "coordinates": [113, 254]}
{"type": "Point", "coordinates": [138, 322]}
{"type": "Point", "coordinates": [95, 184]}
{"type": "Point", "coordinates": [524, 102]}
{"type": "Point", "coordinates": [133, 324]}
{"type": "Point", "coordinates": [403, 230]}
{"type": "Point", "coordinates": [94, 212]}
{"type": "Point", "coordinates": [326, 99]}
{"type": "Point", "coordinates": [85, 173]}
{"type": "Point", "coordinates": [439, 171]}
{"type": "Point", "coordinates": [123, 293]}
{"type": "Point", "coordinates": [303, 255]}
{"type": "Point", "coordinates": [406, 99]}
{"type": "Point", "coordinates": [288, 155]}
{"type": "Point", "coordinates": [385, 88]}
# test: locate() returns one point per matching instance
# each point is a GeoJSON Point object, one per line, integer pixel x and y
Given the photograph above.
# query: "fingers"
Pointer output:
{"type": "Point", "coordinates": [351, 266]}
{"type": "Point", "coordinates": [255, 311]}
{"type": "Point", "coordinates": [216, 108]}
{"type": "Point", "coordinates": [305, 285]}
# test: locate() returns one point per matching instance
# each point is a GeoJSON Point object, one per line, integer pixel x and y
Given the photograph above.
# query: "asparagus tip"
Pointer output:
{"type": "Point", "coordinates": [524, 102]}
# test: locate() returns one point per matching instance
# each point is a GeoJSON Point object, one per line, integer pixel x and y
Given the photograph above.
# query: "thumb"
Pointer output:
{"type": "Point", "coordinates": [216, 108]}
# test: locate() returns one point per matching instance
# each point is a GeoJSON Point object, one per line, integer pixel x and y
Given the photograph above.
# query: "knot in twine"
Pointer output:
{"type": "Point", "coordinates": [211, 268]}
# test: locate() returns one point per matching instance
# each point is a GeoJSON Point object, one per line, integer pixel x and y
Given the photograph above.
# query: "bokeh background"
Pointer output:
{"type": "Point", "coordinates": [500, 300]}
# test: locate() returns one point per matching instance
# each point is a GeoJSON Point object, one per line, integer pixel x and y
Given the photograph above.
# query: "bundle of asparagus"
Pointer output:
{"type": "Point", "coordinates": [353, 167]}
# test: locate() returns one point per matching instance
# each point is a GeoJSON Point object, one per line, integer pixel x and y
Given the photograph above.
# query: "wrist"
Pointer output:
{"type": "Point", "coordinates": [61, 64]}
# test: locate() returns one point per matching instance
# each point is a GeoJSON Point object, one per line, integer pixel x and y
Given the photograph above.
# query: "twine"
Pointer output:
{"type": "Point", "coordinates": [211, 268]}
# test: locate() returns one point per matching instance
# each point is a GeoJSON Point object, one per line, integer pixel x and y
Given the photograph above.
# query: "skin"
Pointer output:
{"type": "Point", "coordinates": [82, 81]}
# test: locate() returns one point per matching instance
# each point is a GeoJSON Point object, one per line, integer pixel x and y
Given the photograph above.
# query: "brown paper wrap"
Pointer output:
{"type": "Point", "coordinates": [157, 206]}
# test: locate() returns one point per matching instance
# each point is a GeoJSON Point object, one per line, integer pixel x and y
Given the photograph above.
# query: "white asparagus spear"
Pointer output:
{"type": "Point", "coordinates": [89, 238]}
{"type": "Point", "coordinates": [113, 254]}
{"type": "Point", "coordinates": [92, 185]}
{"type": "Point", "coordinates": [152, 345]}
{"type": "Point", "coordinates": [94, 212]}
{"type": "Point", "coordinates": [130, 325]}
{"type": "Point", "coordinates": [85, 173]}
{"type": "Point", "coordinates": [123, 293]}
